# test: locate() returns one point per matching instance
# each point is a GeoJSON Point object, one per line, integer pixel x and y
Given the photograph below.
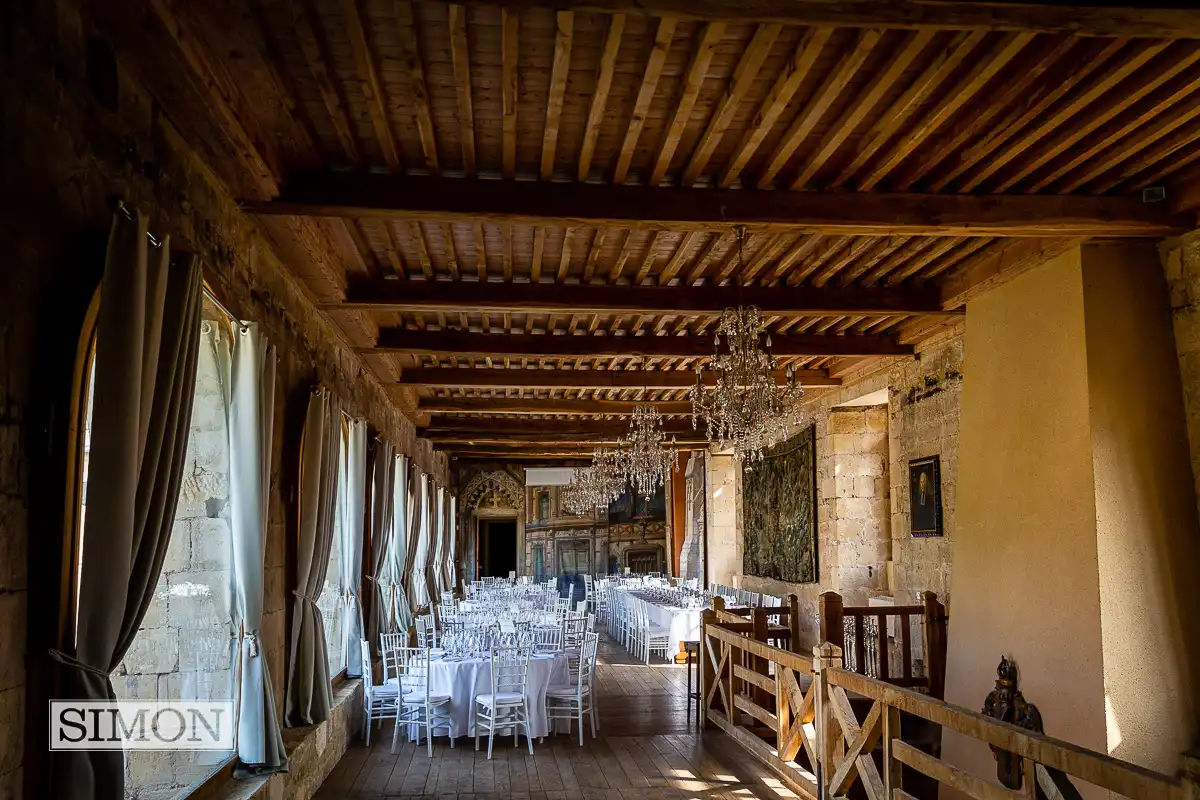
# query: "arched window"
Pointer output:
{"type": "Point", "coordinates": [185, 646]}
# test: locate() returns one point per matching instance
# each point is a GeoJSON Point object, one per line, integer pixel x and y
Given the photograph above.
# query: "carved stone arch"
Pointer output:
{"type": "Point", "coordinates": [495, 488]}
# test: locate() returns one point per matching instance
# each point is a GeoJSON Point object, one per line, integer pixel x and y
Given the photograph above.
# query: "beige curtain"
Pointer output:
{"type": "Point", "coordinates": [416, 507]}
{"type": "Point", "coordinates": [147, 341]}
{"type": "Point", "coordinates": [383, 478]}
{"type": "Point", "coordinates": [309, 694]}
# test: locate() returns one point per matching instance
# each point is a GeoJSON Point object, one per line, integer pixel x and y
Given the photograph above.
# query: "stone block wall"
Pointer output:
{"type": "Point", "coordinates": [862, 481]}
{"type": "Point", "coordinates": [66, 156]}
{"type": "Point", "coordinates": [1181, 263]}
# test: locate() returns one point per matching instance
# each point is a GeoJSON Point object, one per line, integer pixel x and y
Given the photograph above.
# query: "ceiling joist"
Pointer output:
{"type": "Point", "coordinates": [354, 195]}
{"type": "Point", "coordinates": [430, 377]}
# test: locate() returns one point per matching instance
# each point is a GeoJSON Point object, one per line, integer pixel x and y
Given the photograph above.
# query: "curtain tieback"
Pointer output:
{"type": "Point", "coordinates": [252, 640]}
{"type": "Point", "coordinates": [71, 661]}
{"type": "Point", "coordinates": [304, 596]}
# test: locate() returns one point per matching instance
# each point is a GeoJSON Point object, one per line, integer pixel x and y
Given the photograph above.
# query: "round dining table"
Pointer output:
{"type": "Point", "coordinates": [463, 679]}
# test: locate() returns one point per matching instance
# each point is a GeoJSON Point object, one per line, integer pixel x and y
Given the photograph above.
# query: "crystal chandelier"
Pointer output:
{"type": "Point", "coordinates": [646, 459]}
{"type": "Point", "coordinates": [746, 408]}
{"type": "Point", "coordinates": [596, 485]}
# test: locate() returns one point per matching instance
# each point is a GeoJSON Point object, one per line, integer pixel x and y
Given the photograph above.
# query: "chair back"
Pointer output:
{"type": "Point", "coordinates": [390, 641]}
{"type": "Point", "coordinates": [368, 675]}
{"type": "Point", "coordinates": [587, 661]}
{"type": "Point", "coordinates": [547, 639]}
{"type": "Point", "coordinates": [426, 631]}
{"type": "Point", "coordinates": [591, 622]}
{"type": "Point", "coordinates": [510, 669]}
{"type": "Point", "coordinates": [573, 628]}
{"type": "Point", "coordinates": [412, 668]}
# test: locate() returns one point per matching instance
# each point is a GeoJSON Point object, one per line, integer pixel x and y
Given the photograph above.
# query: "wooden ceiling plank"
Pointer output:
{"type": "Point", "coordinates": [410, 53]}
{"type": "Point", "coordinates": [1168, 149]}
{"type": "Point", "coordinates": [460, 57]}
{"type": "Point", "coordinates": [693, 82]}
{"type": "Point", "coordinates": [593, 255]}
{"type": "Point", "coordinates": [884, 248]}
{"type": "Point", "coordinates": [650, 259]}
{"type": "Point", "coordinates": [480, 252]}
{"type": "Point", "coordinates": [789, 80]}
{"type": "Point", "coordinates": [1124, 141]}
{"type": "Point", "coordinates": [825, 250]}
{"type": "Point", "coordinates": [1037, 143]}
{"type": "Point", "coordinates": [509, 89]}
{"type": "Point", "coordinates": [956, 257]}
{"type": "Point", "coordinates": [906, 53]}
{"type": "Point", "coordinates": [654, 65]}
{"type": "Point", "coordinates": [762, 257]}
{"type": "Point", "coordinates": [623, 255]}
{"type": "Point", "coordinates": [831, 88]}
{"type": "Point", "coordinates": [940, 69]}
{"type": "Point", "coordinates": [369, 194]}
{"type": "Point", "coordinates": [914, 265]}
{"type": "Point", "coordinates": [890, 264]}
{"type": "Point", "coordinates": [858, 246]}
{"type": "Point", "coordinates": [539, 249]}
{"type": "Point", "coordinates": [314, 51]}
{"type": "Point", "coordinates": [564, 256]}
{"type": "Point", "coordinates": [1027, 110]}
{"type": "Point", "coordinates": [564, 35]}
{"type": "Point", "coordinates": [398, 340]}
{"type": "Point", "coordinates": [1018, 91]}
{"type": "Point", "coordinates": [800, 251]}
{"type": "Point", "coordinates": [451, 250]}
{"type": "Point", "coordinates": [368, 77]}
{"type": "Point", "coordinates": [502, 405]}
{"type": "Point", "coordinates": [678, 257]}
{"type": "Point", "coordinates": [1142, 20]}
{"type": "Point", "coordinates": [700, 264]}
{"type": "Point", "coordinates": [604, 78]}
{"type": "Point", "coordinates": [418, 235]}
{"type": "Point", "coordinates": [975, 80]}
{"type": "Point", "coordinates": [507, 252]}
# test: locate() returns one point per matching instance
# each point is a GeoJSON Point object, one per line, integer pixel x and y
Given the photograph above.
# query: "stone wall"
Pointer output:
{"type": "Point", "coordinates": [1181, 263]}
{"type": "Point", "coordinates": [66, 154]}
{"type": "Point", "coordinates": [862, 481]}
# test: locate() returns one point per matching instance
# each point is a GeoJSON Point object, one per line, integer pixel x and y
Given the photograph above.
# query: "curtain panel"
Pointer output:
{"type": "Point", "coordinates": [419, 584]}
{"type": "Point", "coordinates": [382, 534]}
{"type": "Point", "coordinates": [309, 694]}
{"type": "Point", "coordinates": [400, 613]}
{"type": "Point", "coordinates": [452, 557]}
{"type": "Point", "coordinates": [415, 504]}
{"type": "Point", "coordinates": [353, 537]}
{"type": "Point", "coordinates": [434, 568]}
{"type": "Point", "coordinates": [251, 424]}
{"type": "Point", "coordinates": [147, 344]}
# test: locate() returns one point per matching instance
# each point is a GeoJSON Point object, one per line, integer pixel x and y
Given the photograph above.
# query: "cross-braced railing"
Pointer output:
{"type": "Point", "coordinates": [823, 728]}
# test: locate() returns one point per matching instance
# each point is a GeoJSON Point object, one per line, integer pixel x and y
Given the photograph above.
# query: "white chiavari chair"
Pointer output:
{"type": "Point", "coordinates": [426, 631]}
{"type": "Point", "coordinates": [574, 702]}
{"type": "Point", "coordinates": [390, 641]}
{"type": "Point", "coordinates": [506, 706]}
{"type": "Point", "coordinates": [547, 639]}
{"type": "Point", "coordinates": [419, 708]}
{"type": "Point", "coordinates": [379, 699]}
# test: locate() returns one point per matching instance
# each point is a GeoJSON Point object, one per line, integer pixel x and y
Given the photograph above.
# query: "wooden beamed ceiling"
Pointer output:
{"type": "Point", "coordinates": [533, 205]}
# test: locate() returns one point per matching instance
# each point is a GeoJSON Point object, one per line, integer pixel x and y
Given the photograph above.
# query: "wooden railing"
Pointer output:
{"type": "Point", "coordinates": [823, 729]}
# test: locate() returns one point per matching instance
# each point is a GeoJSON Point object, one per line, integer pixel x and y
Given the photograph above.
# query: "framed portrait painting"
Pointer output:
{"type": "Point", "coordinates": [925, 496]}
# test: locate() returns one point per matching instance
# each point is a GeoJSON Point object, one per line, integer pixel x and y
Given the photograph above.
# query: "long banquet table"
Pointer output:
{"type": "Point", "coordinates": [683, 623]}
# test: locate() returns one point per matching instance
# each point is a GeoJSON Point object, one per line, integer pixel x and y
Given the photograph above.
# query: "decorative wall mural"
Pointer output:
{"type": "Point", "coordinates": [779, 512]}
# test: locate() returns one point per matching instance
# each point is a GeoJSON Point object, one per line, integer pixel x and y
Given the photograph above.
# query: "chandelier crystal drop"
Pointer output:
{"type": "Point", "coordinates": [646, 460]}
{"type": "Point", "coordinates": [746, 409]}
{"type": "Point", "coordinates": [596, 485]}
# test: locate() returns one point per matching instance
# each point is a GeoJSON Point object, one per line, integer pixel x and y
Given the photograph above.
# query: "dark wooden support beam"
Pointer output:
{"type": "Point", "coordinates": [526, 459]}
{"type": "Point", "coordinates": [449, 378]}
{"type": "Point", "coordinates": [364, 194]}
{"type": "Point", "coordinates": [693, 438]}
{"type": "Point", "coordinates": [1164, 20]}
{"type": "Point", "coordinates": [448, 427]}
{"type": "Point", "coordinates": [558, 298]}
{"type": "Point", "coordinates": [400, 340]}
{"type": "Point", "coordinates": [512, 405]}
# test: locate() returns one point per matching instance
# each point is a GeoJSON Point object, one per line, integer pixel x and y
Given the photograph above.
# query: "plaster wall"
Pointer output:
{"type": "Point", "coordinates": [724, 548]}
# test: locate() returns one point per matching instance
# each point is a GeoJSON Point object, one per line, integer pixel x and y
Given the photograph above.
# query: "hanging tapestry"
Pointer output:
{"type": "Point", "coordinates": [779, 512]}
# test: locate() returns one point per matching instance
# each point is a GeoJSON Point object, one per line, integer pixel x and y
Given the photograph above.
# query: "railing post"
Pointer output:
{"type": "Point", "coordinates": [825, 656]}
{"type": "Point", "coordinates": [793, 623]}
{"type": "Point", "coordinates": [833, 629]}
{"type": "Point", "coordinates": [934, 633]}
{"type": "Point", "coordinates": [892, 769]}
{"type": "Point", "coordinates": [708, 675]}
{"type": "Point", "coordinates": [758, 663]}
{"type": "Point", "coordinates": [718, 603]}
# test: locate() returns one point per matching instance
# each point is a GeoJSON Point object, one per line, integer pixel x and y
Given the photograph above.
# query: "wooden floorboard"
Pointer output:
{"type": "Point", "coordinates": [647, 748]}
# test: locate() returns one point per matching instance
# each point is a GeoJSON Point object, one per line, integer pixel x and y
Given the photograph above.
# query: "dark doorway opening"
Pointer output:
{"type": "Point", "coordinates": [498, 548]}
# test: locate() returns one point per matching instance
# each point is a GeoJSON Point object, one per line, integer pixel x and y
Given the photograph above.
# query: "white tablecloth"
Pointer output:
{"type": "Point", "coordinates": [683, 623]}
{"type": "Point", "coordinates": [466, 679]}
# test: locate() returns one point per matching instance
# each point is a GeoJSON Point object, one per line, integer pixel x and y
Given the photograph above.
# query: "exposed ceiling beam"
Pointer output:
{"type": "Point", "coordinates": [579, 378]}
{"type": "Point", "coordinates": [1079, 18]}
{"type": "Point", "coordinates": [518, 298]}
{"type": "Point", "coordinates": [363, 194]}
{"type": "Point", "coordinates": [399, 340]}
{"type": "Point", "coordinates": [542, 439]}
{"type": "Point", "coordinates": [449, 427]}
{"type": "Point", "coordinates": [514, 405]}
{"type": "Point", "coordinates": [527, 459]}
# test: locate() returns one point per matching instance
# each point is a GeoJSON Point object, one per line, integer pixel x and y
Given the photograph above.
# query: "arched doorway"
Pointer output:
{"type": "Point", "coordinates": [493, 525]}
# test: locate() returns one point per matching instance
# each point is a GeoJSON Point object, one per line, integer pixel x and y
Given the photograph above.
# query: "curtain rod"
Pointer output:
{"type": "Point", "coordinates": [124, 209]}
{"type": "Point", "coordinates": [212, 298]}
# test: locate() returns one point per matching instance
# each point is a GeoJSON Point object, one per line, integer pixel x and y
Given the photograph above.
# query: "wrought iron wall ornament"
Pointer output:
{"type": "Point", "coordinates": [1007, 704]}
